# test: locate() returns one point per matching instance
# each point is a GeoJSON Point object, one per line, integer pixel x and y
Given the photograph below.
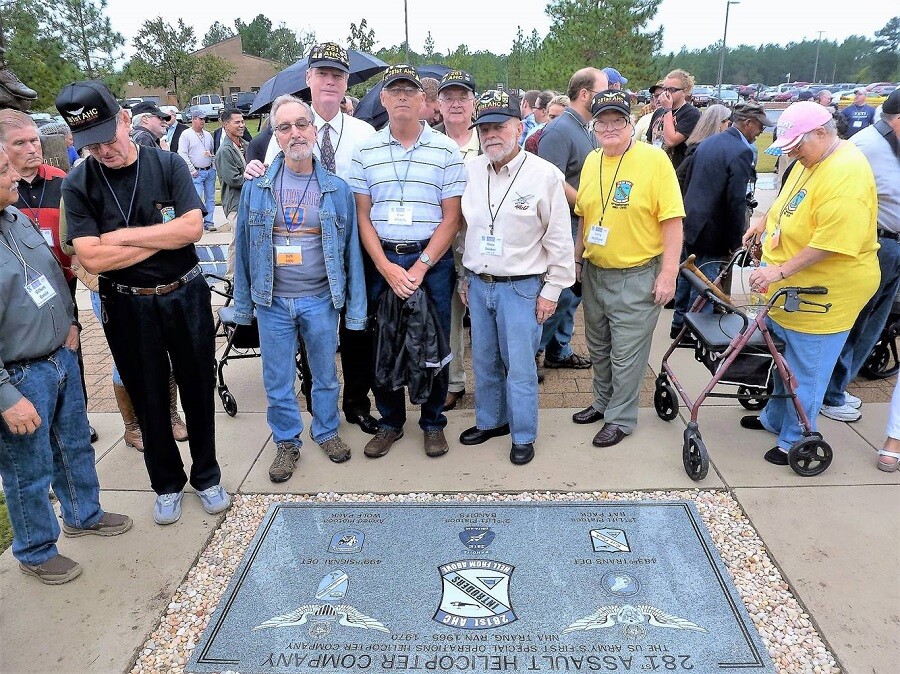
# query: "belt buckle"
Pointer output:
{"type": "Point", "coordinates": [488, 278]}
{"type": "Point", "coordinates": [397, 248]}
{"type": "Point", "coordinates": [161, 289]}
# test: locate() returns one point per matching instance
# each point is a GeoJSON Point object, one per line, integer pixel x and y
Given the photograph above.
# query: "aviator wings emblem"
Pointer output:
{"type": "Point", "coordinates": [633, 619]}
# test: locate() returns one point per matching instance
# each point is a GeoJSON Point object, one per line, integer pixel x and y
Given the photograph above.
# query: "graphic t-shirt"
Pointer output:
{"type": "Point", "coordinates": [686, 118]}
{"type": "Point", "coordinates": [297, 237]}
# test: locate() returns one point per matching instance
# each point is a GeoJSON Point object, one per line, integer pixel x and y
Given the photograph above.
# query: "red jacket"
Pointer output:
{"type": "Point", "coordinates": [39, 201]}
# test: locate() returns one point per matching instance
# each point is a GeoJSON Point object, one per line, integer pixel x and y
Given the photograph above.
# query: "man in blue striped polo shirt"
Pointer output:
{"type": "Point", "coordinates": [408, 182]}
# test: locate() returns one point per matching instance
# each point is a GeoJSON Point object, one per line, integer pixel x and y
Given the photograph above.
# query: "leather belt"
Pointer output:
{"type": "Point", "coordinates": [491, 278]}
{"type": "Point", "coordinates": [160, 289]}
{"type": "Point", "coordinates": [404, 247]}
{"type": "Point", "coordinates": [28, 361]}
{"type": "Point", "coordinates": [885, 234]}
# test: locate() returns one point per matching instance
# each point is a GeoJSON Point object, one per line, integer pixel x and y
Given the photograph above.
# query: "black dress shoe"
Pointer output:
{"type": "Point", "coordinates": [364, 420]}
{"type": "Point", "coordinates": [777, 456]}
{"type": "Point", "coordinates": [521, 454]}
{"type": "Point", "coordinates": [587, 416]}
{"type": "Point", "coordinates": [609, 435]}
{"type": "Point", "coordinates": [94, 435]}
{"type": "Point", "coordinates": [475, 436]}
{"type": "Point", "coordinates": [752, 422]}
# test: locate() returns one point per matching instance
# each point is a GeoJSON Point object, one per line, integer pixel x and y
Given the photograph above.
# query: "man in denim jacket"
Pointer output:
{"type": "Point", "coordinates": [298, 263]}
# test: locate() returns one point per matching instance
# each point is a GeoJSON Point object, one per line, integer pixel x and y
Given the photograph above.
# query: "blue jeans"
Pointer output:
{"type": "Point", "coordinates": [315, 319]}
{"type": "Point", "coordinates": [439, 284]}
{"type": "Point", "coordinates": [811, 359]}
{"type": "Point", "coordinates": [685, 295]}
{"type": "Point", "coordinates": [505, 335]}
{"type": "Point", "coordinates": [58, 455]}
{"type": "Point", "coordinates": [95, 303]}
{"type": "Point", "coordinates": [868, 326]}
{"type": "Point", "coordinates": [205, 184]}
{"type": "Point", "coordinates": [556, 333]}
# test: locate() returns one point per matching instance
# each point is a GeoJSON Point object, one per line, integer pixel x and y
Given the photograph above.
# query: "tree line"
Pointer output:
{"type": "Point", "coordinates": [49, 45]}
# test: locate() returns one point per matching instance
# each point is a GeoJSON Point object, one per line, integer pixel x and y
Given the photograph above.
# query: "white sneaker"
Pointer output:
{"type": "Point", "coordinates": [840, 412]}
{"type": "Point", "coordinates": [852, 400]}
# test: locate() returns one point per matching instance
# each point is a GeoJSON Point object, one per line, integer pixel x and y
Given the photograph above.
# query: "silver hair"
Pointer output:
{"type": "Point", "coordinates": [138, 120]}
{"type": "Point", "coordinates": [287, 98]}
{"type": "Point", "coordinates": [830, 128]}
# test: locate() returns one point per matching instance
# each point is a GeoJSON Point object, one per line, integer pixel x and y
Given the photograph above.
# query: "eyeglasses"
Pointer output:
{"type": "Point", "coordinates": [95, 147]}
{"type": "Point", "coordinates": [301, 124]}
{"type": "Point", "coordinates": [407, 92]}
{"type": "Point", "coordinates": [454, 100]}
{"type": "Point", "coordinates": [617, 124]}
{"type": "Point", "coordinates": [672, 90]}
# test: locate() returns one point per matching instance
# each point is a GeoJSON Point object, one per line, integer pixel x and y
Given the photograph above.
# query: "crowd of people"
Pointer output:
{"type": "Point", "coordinates": [374, 244]}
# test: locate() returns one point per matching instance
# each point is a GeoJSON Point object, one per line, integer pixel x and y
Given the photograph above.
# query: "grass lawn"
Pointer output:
{"type": "Point", "coordinates": [766, 162]}
{"type": "Point", "coordinates": [5, 528]}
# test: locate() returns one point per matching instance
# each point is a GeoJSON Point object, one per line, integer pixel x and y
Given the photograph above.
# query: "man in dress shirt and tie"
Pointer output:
{"type": "Point", "coordinates": [518, 255]}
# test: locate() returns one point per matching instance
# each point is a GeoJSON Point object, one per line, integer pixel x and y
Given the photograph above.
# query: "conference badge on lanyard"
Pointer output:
{"type": "Point", "coordinates": [40, 291]}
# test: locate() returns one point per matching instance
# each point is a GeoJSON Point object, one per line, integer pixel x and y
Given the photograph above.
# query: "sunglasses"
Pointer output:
{"type": "Point", "coordinates": [672, 90]}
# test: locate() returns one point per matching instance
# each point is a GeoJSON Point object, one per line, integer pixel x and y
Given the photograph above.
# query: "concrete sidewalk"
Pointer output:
{"type": "Point", "coordinates": [833, 536]}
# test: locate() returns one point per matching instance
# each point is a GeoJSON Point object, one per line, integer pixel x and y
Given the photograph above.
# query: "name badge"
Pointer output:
{"type": "Point", "coordinates": [856, 124]}
{"type": "Point", "coordinates": [40, 291]}
{"type": "Point", "coordinates": [598, 235]}
{"type": "Point", "coordinates": [48, 236]}
{"type": "Point", "coordinates": [286, 256]}
{"type": "Point", "coordinates": [400, 215]}
{"type": "Point", "coordinates": [491, 245]}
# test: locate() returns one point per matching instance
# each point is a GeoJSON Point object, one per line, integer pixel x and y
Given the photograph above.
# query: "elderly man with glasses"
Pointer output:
{"type": "Point", "coordinates": [630, 211]}
{"type": "Point", "coordinates": [298, 265]}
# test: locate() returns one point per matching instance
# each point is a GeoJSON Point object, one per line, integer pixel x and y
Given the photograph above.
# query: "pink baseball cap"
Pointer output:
{"type": "Point", "coordinates": [797, 119]}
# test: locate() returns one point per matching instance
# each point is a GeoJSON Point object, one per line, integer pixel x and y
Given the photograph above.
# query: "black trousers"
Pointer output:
{"type": "Point", "coordinates": [356, 364]}
{"type": "Point", "coordinates": [73, 285]}
{"type": "Point", "coordinates": [145, 333]}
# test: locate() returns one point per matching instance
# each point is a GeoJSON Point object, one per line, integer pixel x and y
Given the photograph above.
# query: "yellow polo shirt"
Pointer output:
{"type": "Point", "coordinates": [640, 193]}
{"type": "Point", "coordinates": [831, 207]}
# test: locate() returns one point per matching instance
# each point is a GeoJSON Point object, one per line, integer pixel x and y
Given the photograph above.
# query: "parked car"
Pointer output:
{"type": "Point", "coordinates": [749, 90]}
{"type": "Point", "coordinates": [243, 100]}
{"type": "Point", "coordinates": [766, 94]}
{"type": "Point", "coordinates": [209, 105]}
{"type": "Point", "coordinates": [700, 96]}
{"type": "Point", "coordinates": [643, 96]}
{"type": "Point", "coordinates": [786, 96]}
{"type": "Point", "coordinates": [728, 97]}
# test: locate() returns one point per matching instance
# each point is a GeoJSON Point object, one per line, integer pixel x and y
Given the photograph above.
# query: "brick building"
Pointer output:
{"type": "Point", "coordinates": [250, 73]}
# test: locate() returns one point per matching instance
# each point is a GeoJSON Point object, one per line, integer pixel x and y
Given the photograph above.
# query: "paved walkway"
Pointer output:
{"type": "Point", "coordinates": [833, 536]}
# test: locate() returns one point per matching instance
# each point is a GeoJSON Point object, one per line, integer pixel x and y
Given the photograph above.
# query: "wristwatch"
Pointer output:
{"type": "Point", "coordinates": [424, 259]}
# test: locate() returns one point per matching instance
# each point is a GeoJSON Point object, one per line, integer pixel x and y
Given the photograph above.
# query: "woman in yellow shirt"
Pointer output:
{"type": "Point", "coordinates": [819, 232]}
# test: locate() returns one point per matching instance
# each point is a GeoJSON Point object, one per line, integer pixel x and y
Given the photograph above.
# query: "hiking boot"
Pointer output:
{"type": "Point", "coordinates": [435, 442]}
{"type": "Point", "coordinates": [843, 412]}
{"type": "Point", "coordinates": [133, 436]}
{"type": "Point", "coordinates": [538, 363]}
{"type": "Point", "coordinates": [381, 443]}
{"type": "Point", "coordinates": [167, 509]}
{"type": "Point", "coordinates": [336, 449]}
{"type": "Point", "coordinates": [110, 524]}
{"type": "Point", "coordinates": [286, 454]}
{"type": "Point", "coordinates": [179, 430]}
{"type": "Point", "coordinates": [573, 362]}
{"type": "Point", "coordinates": [55, 571]}
{"type": "Point", "coordinates": [214, 499]}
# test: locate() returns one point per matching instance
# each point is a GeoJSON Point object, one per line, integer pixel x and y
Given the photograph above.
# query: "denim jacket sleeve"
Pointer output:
{"type": "Point", "coordinates": [243, 304]}
{"type": "Point", "coordinates": [355, 318]}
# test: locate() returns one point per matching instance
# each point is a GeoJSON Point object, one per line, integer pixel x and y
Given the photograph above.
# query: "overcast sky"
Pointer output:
{"type": "Point", "coordinates": [492, 25]}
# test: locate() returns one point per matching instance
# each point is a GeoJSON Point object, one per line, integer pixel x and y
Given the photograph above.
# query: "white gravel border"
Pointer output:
{"type": "Point", "coordinates": [786, 631]}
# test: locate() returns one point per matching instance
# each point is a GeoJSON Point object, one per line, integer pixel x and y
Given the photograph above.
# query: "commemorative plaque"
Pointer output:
{"type": "Point", "coordinates": [491, 587]}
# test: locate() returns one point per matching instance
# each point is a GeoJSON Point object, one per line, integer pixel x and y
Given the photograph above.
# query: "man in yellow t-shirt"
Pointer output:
{"type": "Point", "coordinates": [630, 211]}
{"type": "Point", "coordinates": [819, 232]}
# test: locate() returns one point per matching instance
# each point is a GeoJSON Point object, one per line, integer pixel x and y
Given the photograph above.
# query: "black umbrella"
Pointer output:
{"type": "Point", "coordinates": [292, 80]}
{"type": "Point", "coordinates": [370, 108]}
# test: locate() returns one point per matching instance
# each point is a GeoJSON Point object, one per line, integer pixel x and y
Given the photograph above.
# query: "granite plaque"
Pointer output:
{"type": "Point", "coordinates": [491, 587]}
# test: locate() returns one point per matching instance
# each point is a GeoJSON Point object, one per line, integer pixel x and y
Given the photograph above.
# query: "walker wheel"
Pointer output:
{"type": "Point", "coordinates": [229, 403]}
{"type": "Point", "coordinates": [749, 397]}
{"type": "Point", "coordinates": [694, 456]}
{"type": "Point", "coordinates": [665, 400]}
{"type": "Point", "coordinates": [810, 456]}
{"type": "Point", "coordinates": [878, 364]}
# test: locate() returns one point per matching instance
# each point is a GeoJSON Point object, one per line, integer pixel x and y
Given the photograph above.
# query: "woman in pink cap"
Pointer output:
{"type": "Point", "coordinates": [820, 231]}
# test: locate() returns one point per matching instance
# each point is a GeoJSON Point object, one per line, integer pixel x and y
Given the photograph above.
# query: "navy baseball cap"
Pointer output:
{"type": "Point", "coordinates": [147, 108]}
{"type": "Point", "coordinates": [90, 110]}
{"type": "Point", "coordinates": [401, 71]}
{"type": "Point", "coordinates": [329, 55]}
{"type": "Point", "coordinates": [495, 107]}
{"type": "Point", "coordinates": [457, 78]}
{"type": "Point", "coordinates": [611, 99]}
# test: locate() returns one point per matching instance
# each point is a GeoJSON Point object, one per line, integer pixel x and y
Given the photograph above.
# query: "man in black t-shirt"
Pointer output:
{"type": "Point", "coordinates": [675, 118]}
{"type": "Point", "coordinates": [133, 217]}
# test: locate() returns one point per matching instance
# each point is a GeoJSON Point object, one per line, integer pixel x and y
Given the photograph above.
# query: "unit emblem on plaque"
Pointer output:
{"type": "Point", "coordinates": [476, 538]}
{"type": "Point", "coordinates": [347, 542]}
{"type": "Point", "coordinates": [609, 540]}
{"type": "Point", "coordinates": [633, 619]}
{"type": "Point", "coordinates": [475, 594]}
{"type": "Point", "coordinates": [620, 584]}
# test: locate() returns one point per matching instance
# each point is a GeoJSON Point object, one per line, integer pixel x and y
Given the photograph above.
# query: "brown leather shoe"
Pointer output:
{"type": "Point", "coordinates": [110, 524]}
{"type": "Point", "coordinates": [55, 571]}
{"type": "Point", "coordinates": [381, 443]}
{"type": "Point", "coordinates": [587, 416]}
{"type": "Point", "coordinates": [453, 397]}
{"type": "Point", "coordinates": [435, 443]}
{"type": "Point", "coordinates": [336, 449]}
{"type": "Point", "coordinates": [609, 435]}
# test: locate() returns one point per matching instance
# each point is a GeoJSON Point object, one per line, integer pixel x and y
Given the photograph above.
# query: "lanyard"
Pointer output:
{"type": "Point", "coordinates": [288, 225]}
{"type": "Point", "coordinates": [137, 177]}
{"type": "Point", "coordinates": [408, 162]}
{"type": "Point", "coordinates": [494, 214]}
{"type": "Point", "coordinates": [20, 257]}
{"type": "Point", "coordinates": [584, 127]}
{"type": "Point", "coordinates": [604, 202]}
{"type": "Point", "coordinates": [339, 133]}
{"type": "Point", "coordinates": [806, 176]}
{"type": "Point", "coordinates": [36, 214]}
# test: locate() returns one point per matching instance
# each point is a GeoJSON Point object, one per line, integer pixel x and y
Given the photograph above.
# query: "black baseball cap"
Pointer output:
{"type": "Point", "coordinates": [457, 78]}
{"type": "Point", "coordinates": [611, 99]}
{"type": "Point", "coordinates": [147, 108]}
{"type": "Point", "coordinates": [401, 71]}
{"type": "Point", "coordinates": [892, 105]}
{"type": "Point", "coordinates": [90, 110]}
{"type": "Point", "coordinates": [329, 55]}
{"type": "Point", "coordinates": [495, 107]}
